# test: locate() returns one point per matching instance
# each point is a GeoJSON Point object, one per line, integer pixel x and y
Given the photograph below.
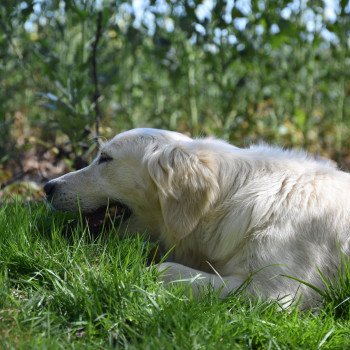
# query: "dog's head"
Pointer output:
{"type": "Point", "coordinates": [153, 172]}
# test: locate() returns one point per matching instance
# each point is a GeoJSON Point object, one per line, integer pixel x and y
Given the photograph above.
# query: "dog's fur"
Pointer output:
{"type": "Point", "coordinates": [227, 213]}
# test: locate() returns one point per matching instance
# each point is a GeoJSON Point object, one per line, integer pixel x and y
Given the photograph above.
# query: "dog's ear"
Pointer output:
{"type": "Point", "coordinates": [186, 184]}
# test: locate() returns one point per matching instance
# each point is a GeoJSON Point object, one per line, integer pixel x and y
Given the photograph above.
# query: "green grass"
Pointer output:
{"type": "Point", "coordinates": [67, 290]}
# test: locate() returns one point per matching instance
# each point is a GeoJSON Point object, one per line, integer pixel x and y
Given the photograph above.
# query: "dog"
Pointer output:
{"type": "Point", "coordinates": [227, 215]}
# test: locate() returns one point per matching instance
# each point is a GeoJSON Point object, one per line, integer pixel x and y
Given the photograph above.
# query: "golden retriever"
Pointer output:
{"type": "Point", "coordinates": [226, 213]}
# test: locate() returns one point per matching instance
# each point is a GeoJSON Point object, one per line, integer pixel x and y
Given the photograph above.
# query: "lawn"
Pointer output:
{"type": "Point", "coordinates": [61, 288]}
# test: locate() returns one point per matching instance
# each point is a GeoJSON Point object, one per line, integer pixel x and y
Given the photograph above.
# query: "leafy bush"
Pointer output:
{"type": "Point", "coordinates": [244, 71]}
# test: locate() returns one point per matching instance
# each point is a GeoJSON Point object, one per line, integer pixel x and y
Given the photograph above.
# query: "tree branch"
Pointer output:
{"type": "Point", "coordinates": [96, 95]}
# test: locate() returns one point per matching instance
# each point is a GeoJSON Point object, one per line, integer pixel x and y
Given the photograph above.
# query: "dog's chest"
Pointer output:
{"type": "Point", "coordinates": [207, 253]}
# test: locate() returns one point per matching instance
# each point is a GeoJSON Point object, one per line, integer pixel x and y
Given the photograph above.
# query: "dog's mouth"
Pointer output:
{"type": "Point", "coordinates": [107, 215]}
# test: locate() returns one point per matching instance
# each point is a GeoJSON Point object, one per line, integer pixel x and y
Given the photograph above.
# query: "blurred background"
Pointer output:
{"type": "Point", "coordinates": [245, 71]}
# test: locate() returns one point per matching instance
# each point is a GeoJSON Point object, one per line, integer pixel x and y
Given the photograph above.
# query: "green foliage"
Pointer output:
{"type": "Point", "coordinates": [244, 71]}
{"type": "Point", "coordinates": [64, 289]}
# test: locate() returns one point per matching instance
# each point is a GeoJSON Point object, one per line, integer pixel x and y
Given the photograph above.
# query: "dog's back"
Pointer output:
{"type": "Point", "coordinates": [293, 213]}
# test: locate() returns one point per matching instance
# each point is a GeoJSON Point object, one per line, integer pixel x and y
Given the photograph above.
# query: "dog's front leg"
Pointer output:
{"type": "Point", "coordinates": [199, 281]}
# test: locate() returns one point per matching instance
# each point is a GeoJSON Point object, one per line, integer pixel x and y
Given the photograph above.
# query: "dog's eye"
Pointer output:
{"type": "Point", "coordinates": [104, 158]}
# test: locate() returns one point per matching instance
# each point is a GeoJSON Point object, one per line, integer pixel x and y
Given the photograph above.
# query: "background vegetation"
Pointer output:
{"type": "Point", "coordinates": [252, 70]}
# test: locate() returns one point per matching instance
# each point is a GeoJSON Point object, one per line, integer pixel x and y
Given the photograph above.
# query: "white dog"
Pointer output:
{"type": "Point", "coordinates": [227, 213]}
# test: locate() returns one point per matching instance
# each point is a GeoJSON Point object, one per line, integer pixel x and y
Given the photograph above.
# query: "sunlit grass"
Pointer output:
{"type": "Point", "coordinates": [62, 288]}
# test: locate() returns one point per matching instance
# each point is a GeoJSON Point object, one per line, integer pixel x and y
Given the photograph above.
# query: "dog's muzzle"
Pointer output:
{"type": "Point", "coordinates": [120, 209]}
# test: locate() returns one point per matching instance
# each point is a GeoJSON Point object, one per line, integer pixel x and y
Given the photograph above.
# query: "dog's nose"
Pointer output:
{"type": "Point", "coordinates": [49, 188]}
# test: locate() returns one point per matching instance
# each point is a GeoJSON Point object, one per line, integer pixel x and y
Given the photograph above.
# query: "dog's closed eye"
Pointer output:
{"type": "Point", "coordinates": [104, 158]}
